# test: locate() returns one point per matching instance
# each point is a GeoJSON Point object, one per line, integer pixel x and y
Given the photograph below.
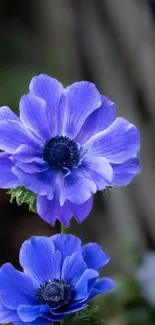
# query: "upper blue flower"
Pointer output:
{"type": "Point", "coordinates": [66, 145]}
{"type": "Point", "coordinates": [59, 278]}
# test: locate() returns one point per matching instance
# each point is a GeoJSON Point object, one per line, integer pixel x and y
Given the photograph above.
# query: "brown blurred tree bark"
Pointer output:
{"type": "Point", "coordinates": [112, 43]}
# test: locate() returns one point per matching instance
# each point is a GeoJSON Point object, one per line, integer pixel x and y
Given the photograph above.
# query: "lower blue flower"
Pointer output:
{"type": "Point", "coordinates": [60, 276]}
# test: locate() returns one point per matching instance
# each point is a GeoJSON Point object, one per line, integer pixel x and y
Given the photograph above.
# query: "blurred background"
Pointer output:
{"type": "Point", "coordinates": [111, 43]}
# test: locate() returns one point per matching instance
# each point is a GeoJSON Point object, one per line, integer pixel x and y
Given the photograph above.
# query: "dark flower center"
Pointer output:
{"type": "Point", "coordinates": [55, 293]}
{"type": "Point", "coordinates": [60, 153]}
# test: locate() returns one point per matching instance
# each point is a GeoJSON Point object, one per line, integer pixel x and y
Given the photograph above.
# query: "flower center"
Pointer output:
{"type": "Point", "coordinates": [60, 153]}
{"type": "Point", "coordinates": [55, 293]}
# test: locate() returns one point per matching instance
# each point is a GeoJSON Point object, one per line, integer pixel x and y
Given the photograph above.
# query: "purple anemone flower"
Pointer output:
{"type": "Point", "coordinates": [66, 145]}
{"type": "Point", "coordinates": [60, 276]}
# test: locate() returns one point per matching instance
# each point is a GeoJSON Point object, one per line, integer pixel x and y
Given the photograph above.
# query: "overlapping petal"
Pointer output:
{"type": "Point", "coordinates": [75, 183]}
{"type": "Point", "coordinates": [98, 170]}
{"type": "Point", "coordinates": [98, 121]}
{"type": "Point", "coordinates": [12, 134]}
{"type": "Point", "coordinates": [40, 260]}
{"type": "Point", "coordinates": [79, 101]}
{"type": "Point", "coordinates": [40, 321]}
{"type": "Point", "coordinates": [101, 286]}
{"type": "Point", "coordinates": [74, 309]}
{"type": "Point", "coordinates": [33, 114]}
{"type": "Point", "coordinates": [41, 183]}
{"type": "Point", "coordinates": [7, 114]}
{"type": "Point", "coordinates": [73, 268]}
{"type": "Point", "coordinates": [124, 173]}
{"type": "Point", "coordinates": [29, 160]}
{"type": "Point", "coordinates": [67, 244]}
{"type": "Point", "coordinates": [32, 313]}
{"type": "Point", "coordinates": [94, 256]}
{"type": "Point", "coordinates": [32, 168]}
{"type": "Point", "coordinates": [81, 211]}
{"type": "Point", "coordinates": [27, 154]}
{"type": "Point", "coordinates": [16, 288]}
{"type": "Point", "coordinates": [7, 315]}
{"type": "Point", "coordinates": [118, 143]}
{"type": "Point", "coordinates": [7, 178]}
{"type": "Point", "coordinates": [51, 91]}
{"type": "Point", "coordinates": [82, 288]}
{"type": "Point", "coordinates": [50, 210]}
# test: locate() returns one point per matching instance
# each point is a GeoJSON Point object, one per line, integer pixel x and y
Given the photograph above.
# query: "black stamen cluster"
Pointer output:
{"type": "Point", "coordinates": [61, 152]}
{"type": "Point", "coordinates": [55, 293]}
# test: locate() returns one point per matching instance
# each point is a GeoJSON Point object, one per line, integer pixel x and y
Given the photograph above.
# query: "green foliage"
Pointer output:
{"type": "Point", "coordinates": [83, 320]}
{"type": "Point", "coordinates": [85, 317]}
{"type": "Point", "coordinates": [127, 289]}
{"type": "Point", "coordinates": [109, 189]}
{"type": "Point", "coordinates": [22, 195]}
{"type": "Point", "coordinates": [139, 315]}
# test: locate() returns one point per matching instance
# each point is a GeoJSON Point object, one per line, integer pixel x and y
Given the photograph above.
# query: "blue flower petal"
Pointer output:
{"type": "Point", "coordinates": [33, 168]}
{"type": "Point", "coordinates": [33, 114]}
{"type": "Point", "coordinates": [66, 244]}
{"type": "Point", "coordinates": [79, 101]}
{"type": "Point", "coordinates": [118, 143]}
{"type": "Point", "coordinates": [38, 321]}
{"type": "Point", "coordinates": [27, 154]}
{"type": "Point", "coordinates": [12, 134]}
{"type": "Point", "coordinates": [81, 211]}
{"type": "Point", "coordinates": [71, 310]}
{"type": "Point", "coordinates": [94, 256]}
{"type": "Point", "coordinates": [51, 91]}
{"type": "Point", "coordinates": [50, 210]}
{"type": "Point", "coordinates": [75, 183]}
{"type": "Point", "coordinates": [16, 288]}
{"type": "Point", "coordinates": [98, 170]}
{"type": "Point", "coordinates": [73, 268]}
{"type": "Point", "coordinates": [31, 313]}
{"type": "Point", "coordinates": [29, 159]}
{"type": "Point", "coordinates": [39, 183]}
{"type": "Point", "coordinates": [101, 286]}
{"type": "Point", "coordinates": [82, 287]}
{"type": "Point", "coordinates": [7, 315]}
{"type": "Point", "coordinates": [58, 257]}
{"type": "Point", "coordinates": [40, 260]}
{"type": "Point", "coordinates": [98, 121]}
{"type": "Point", "coordinates": [7, 114]}
{"type": "Point", "coordinates": [124, 173]}
{"type": "Point", "coordinates": [7, 178]}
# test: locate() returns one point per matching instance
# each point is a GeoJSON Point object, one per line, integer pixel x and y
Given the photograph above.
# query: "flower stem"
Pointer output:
{"type": "Point", "coordinates": [64, 230]}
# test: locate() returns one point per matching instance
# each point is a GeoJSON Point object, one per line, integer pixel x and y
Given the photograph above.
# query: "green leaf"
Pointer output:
{"type": "Point", "coordinates": [22, 195]}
